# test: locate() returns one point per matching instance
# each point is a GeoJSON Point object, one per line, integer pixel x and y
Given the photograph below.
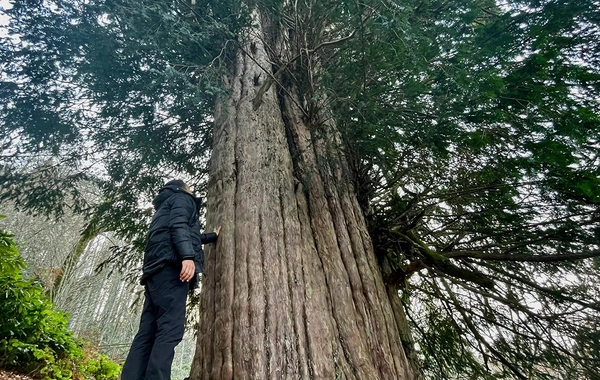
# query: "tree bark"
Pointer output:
{"type": "Point", "coordinates": [292, 289]}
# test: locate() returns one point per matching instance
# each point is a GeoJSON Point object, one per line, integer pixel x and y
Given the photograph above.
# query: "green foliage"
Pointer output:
{"type": "Point", "coordinates": [34, 337]}
{"type": "Point", "coordinates": [100, 367]}
{"type": "Point", "coordinates": [143, 100]}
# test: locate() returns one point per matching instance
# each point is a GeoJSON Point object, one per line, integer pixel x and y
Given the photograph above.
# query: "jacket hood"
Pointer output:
{"type": "Point", "coordinates": [166, 192]}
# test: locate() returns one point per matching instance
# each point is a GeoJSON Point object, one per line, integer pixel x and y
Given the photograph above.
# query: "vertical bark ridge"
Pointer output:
{"type": "Point", "coordinates": [295, 285]}
{"type": "Point", "coordinates": [358, 334]}
{"type": "Point", "coordinates": [371, 295]}
{"type": "Point", "coordinates": [386, 342]}
{"type": "Point", "coordinates": [352, 333]}
{"type": "Point", "coordinates": [268, 327]}
{"type": "Point", "coordinates": [250, 155]}
{"type": "Point", "coordinates": [276, 327]}
{"type": "Point", "coordinates": [352, 357]}
{"type": "Point", "coordinates": [318, 322]}
{"type": "Point", "coordinates": [205, 350]}
{"type": "Point", "coordinates": [221, 363]}
{"type": "Point", "coordinates": [405, 334]}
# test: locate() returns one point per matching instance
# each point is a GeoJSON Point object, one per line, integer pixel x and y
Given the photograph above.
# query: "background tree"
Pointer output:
{"type": "Point", "coordinates": [466, 137]}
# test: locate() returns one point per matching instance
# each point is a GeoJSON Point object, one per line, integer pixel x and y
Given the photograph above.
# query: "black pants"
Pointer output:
{"type": "Point", "coordinates": [161, 328]}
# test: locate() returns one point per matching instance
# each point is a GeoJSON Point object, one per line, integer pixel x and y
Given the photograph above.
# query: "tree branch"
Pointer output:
{"type": "Point", "coordinates": [442, 263]}
{"type": "Point", "coordinates": [556, 294]}
{"type": "Point", "coordinates": [477, 335]}
{"type": "Point", "coordinates": [524, 258]}
{"type": "Point", "coordinates": [257, 101]}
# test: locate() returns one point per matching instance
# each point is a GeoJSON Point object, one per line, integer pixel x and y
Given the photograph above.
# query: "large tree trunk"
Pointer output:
{"type": "Point", "coordinates": [292, 289]}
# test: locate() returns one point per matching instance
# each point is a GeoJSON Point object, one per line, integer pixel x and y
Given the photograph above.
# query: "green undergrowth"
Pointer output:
{"type": "Point", "coordinates": [34, 336]}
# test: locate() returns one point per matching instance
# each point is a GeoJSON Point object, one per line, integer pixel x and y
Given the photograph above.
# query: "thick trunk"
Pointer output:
{"type": "Point", "coordinates": [292, 289]}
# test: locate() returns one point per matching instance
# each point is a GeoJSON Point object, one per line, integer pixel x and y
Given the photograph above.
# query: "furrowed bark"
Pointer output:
{"type": "Point", "coordinates": [292, 289]}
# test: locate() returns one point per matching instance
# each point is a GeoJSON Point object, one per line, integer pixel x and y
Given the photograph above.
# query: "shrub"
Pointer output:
{"type": "Point", "coordinates": [34, 337]}
{"type": "Point", "coordinates": [101, 367]}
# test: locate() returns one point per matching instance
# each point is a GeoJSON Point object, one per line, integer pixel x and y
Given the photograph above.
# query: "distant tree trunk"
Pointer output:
{"type": "Point", "coordinates": [292, 289]}
{"type": "Point", "coordinates": [69, 263]}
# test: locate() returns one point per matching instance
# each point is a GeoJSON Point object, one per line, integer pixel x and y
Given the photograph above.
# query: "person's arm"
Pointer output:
{"type": "Point", "coordinates": [179, 228]}
{"type": "Point", "coordinates": [210, 237]}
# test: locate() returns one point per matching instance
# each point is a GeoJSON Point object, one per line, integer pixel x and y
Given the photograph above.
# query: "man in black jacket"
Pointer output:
{"type": "Point", "coordinates": [172, 261]}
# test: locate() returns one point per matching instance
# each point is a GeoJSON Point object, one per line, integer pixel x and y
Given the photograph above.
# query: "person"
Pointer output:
{"type": "Point", "coordinates": [173, 258]}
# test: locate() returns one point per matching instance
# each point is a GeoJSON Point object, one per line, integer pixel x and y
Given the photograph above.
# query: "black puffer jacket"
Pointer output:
{"type": "Point", "coordinates": [174, 233]}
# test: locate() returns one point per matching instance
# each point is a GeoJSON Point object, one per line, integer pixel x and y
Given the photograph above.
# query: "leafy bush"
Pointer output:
{"type": "Point", "coordinates": [34, 337]}
{"type": "Point", "coordinates": [101, 367]}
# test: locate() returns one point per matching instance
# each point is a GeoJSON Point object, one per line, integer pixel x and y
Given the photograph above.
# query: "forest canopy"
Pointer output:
{"type": "Point", "coordinates": [471, 130]}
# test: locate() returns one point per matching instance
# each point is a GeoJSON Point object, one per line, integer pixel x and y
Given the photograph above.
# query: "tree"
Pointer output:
{"type": "Point", "coordinates": [441, 133]}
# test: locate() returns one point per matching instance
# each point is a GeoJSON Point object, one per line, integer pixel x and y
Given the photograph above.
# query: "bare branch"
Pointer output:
{"type": "Point", "coordinates": [524, 258]}
{"type": "Point", "coordinates": [477, 335]}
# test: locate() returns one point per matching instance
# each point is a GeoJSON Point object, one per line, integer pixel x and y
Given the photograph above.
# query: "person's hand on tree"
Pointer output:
{"type": "Point", "coordinates": [187, 270]}
{"type": "Point", "coordinates": [218, 230]}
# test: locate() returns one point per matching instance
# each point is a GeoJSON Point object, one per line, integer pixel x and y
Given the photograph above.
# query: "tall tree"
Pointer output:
{"type": "Point", "coordinates": [461, 139]}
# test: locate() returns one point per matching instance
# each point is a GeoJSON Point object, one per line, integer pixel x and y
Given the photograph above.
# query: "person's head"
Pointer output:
{"type": "Point", "coordinates": [179, 183]}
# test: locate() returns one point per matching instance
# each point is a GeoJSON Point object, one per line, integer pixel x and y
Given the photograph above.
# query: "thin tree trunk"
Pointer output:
{"type": "Point", "coordinates": [292, 289]}
{"type": "Point", "coordinates": [70, 262]}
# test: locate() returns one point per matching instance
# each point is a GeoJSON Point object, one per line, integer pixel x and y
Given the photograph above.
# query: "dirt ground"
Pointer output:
{"type": "Point", "coordinates": [5, 375]}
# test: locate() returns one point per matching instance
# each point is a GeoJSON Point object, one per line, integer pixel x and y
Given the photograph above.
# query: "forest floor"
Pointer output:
{"type": "Point", "coordinates": [5, 375]}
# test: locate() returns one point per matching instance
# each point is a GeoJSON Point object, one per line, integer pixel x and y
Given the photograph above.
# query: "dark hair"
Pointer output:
{"type": "Point", "coordinates": [176, 182]}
